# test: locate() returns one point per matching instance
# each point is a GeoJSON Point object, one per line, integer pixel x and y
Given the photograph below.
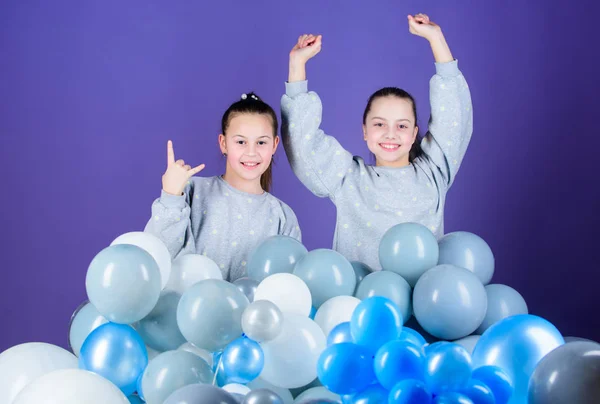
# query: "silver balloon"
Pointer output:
{"type": "Point", "coordinates": [262, 321]}
{"type": "Point", "coordinates": [247, 286]}
{"type": "Point", "coordinates": [262, 396]}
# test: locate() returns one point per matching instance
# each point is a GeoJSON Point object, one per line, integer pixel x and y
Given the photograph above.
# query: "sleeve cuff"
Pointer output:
{"type": "Point", "coordinates": [172, 201]}
{"type": "Point", "coordinates": [448, 69]}
{"type": "Point", "coordinates": [295, 88]}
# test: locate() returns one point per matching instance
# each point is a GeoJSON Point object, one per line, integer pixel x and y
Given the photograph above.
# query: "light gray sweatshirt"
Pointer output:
{"type": "Point", "coordinates": [370, 199]}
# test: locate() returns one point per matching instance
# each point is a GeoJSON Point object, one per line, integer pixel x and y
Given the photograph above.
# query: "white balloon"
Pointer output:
{"type": "Point", "coordinates": [291, 358]}
{"type": "Point", "coordinates": [203, 353]}
{"type": "Point", "coordinates": [335, 311]}
{"type": "Point", "coordinates": [236, 388]}
{"type": "Point", "coordinates": [285, 394]}
{"type": "Point", "coordinates": [22, 364]}
{"type": "Point", "coordinates": [71, 386]}
{"type": "Point", "coordinates": [154, 246]}
{"type": "Point", "coordinates": [190, 269]}
{"type": "Point", "coordinates": [468, 342]}
{"type": "Point", "coordinates": [287, 291]}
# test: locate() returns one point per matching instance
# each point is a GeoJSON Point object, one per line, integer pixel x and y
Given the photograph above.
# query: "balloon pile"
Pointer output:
{"type": "Point", "coordinates": [304, 327]}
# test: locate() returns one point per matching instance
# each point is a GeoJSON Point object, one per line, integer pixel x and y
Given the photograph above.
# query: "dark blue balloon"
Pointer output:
{"type": "Point", "coordinates": [412, 336]}
{"type": "Point", "coordinates": [410, 391]}
{"type": "Point", "coordinates": [497, 381]}
{"type": "Point", "coordinates": [478, 392]}
{"type": "Point", "coordinates": [346, 368]}
{"type": "Point", "coordinates": [340, 333]}
{"type": "Point", "coordinates": [243, 360]}
{"type": "Point", "coordinates": [398, 360]}
{"type": "Point", "coordinates": [375, 321]}
{"type": "Point", "coordinates": [452, 398]}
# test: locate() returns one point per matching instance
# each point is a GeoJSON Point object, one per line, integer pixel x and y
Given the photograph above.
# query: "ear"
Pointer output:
{"type": "Point", "coordinates": [415, 132]}
{"type": "Point", "coordinates": [223, 143]}
{"type": "Point", "coordinates": [364, 132]}
{"type": "Point", "coordinates": [275, 144]}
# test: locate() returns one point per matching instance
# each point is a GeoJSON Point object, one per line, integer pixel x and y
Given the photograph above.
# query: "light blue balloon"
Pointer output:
{"type": "Point", "coordinates": [374, 394]}
{"type": "Point", "coordinates": [448, 367]}
{"type": "Point", "coordinates": [117, 353]}
{"type": "Point", "coordinates": [375, 321]}
{"type": "Point", "coordinates": [449, 302]}
{"type": "Point", "coordinates": [412, 336]}
{"type": "Point", "coordinates": [159, 329]}
{"type": "Point", "coordinates": [497, 381]}
{"type": "Point", "coordinates": [516, 345]}
{"type": "Point", "coordinates": [277, 254]}
{"type": "Point", "coordinates": [243, 360]}
{"type": "Point", "coordinates": [316, 394]}
{"type": "Point", "coordinates": [247, 286]}
{"type": "Point", "coordinates": [399, 360]}
{"type": "Point", "coordinates": [410, 391]}
{"type": "Point", "coordinates": [503, 301]}
{"type": "Point", "coordinates": [85, 320]}
{"type": "Point", "coordinates": [199, 394]}
{"type": "Point", "coordinates": [327, 274]}
{"type": "Point", "coordinates": [340, 333]}
{"type": "Point", "coordinates": [360, 270]}
{"type": "Point", "coordinates": [469, 251]}
{"type": "Point", "coordinates": [123, 283]}
{"type": "Point", "coordinates": [409, 249]}
{"type": "Point", "coordinates": [209, 314]}
{"type": "Point", "coordinates": [172, 370]}
{"type": "Point", "coordinates": [387, 284]}
{"type": "Point", "coordinates": [452, 398]}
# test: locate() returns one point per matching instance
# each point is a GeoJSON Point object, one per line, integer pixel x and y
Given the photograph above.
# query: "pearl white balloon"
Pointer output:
{"type": "Point", "coordinates": [71, 386]}
{"type": "Point", "coordinates": [287, 291]}
{"type": "Point", "coordinates": [236, 388]}
{"type": "Point", "coordinates": [335, 311]}
{"type": "Point", "coordinates": [22, 364]}
{"type": "Point", "coordinates": [154, 246]}
{"type": "Point", "coordinates": [190, 269]}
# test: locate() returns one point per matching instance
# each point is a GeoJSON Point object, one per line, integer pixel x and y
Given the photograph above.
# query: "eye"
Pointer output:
{"type": "Point", "coordinates": [379, 124]}
{"type": "Point", "coordinates": [262, 142]}
{"type": "Point", "coordinates": [402, 126]}
{"type": "Point", "coordinates": [240, 142]}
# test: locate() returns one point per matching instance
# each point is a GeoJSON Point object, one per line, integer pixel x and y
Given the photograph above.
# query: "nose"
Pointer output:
{"type": "Point", "coordinates": [251, 150]}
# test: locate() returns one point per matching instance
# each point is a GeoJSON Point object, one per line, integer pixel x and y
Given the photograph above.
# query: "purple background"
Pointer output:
{"type": "Point", "coordinates": [91, 91]}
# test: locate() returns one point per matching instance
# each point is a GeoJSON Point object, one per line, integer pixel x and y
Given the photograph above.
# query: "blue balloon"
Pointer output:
{"type": "Point", "coordinates": [346, 368]}
{"type": "Point", "coordinates": [409, 249]}
{"type": "Point", "coordinates": [123, 283]}
{"type": "Point", "coordinates": [517, 344]}
{"type": "Point", "coordinates": [135, 400]}
{"type": "Point", "coordinates": [117, 353]}
{"type": "Point", "coordinates": [387, 284]}
{"type": "Point", "coordinates": [503, 301]}
{"type": "Point", "coordinates": [243, 360]}
{"type": "Point", "coordinates": [448, 367]}
{"type": "Point", "coordinates": [410, 391]}
{"type": "Point", "coordinates": [412, 336]}
{"type": "Point", "coordinates": [375, 321]}
{"type": "Point", "coordinates": [340, 333]}
{"type": "Point", "coordinates": [469, 251]}
{"type": "Point", "coordinates": [452, 398]}
{"type": "Point", "coordinates": [327, 274]}
{"type": "Point", "coordinates": [449, 302]}
{"type": "Point", "coordinates": [398, 360]}
{"type": "Point", "coordinates": [497, 381]}
{"type": "Point", "coordinates": [313, 312]}
{"type": "Point", "coordinates": [478, 392]}
{"type": "Point", "coordinates": [277, 254]}
{"type": "Point", "coordinates": [220, 375]}
{"type": "Point", "coordinates": [374, 394]}
{"type": "Point", "coordinates": [159, 329]}
{"type": "Point", "coordinates": [85, 319]}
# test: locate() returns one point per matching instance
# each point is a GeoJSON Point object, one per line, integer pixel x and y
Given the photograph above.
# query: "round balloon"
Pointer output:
{"type": "Point", "coordinates": [277, 254]}
{"type": "Point", "coordinates": [287, 291]}
{"type": "Point", "coordinates": [516, 345]}
{"type": "Point", "coordinates": [202, 353]}
{"type": "Point", "coordinates": [410, 391]}
{"type": "Point", "coordinates": [262, 396]}
{"type": "Point", "coordinates": [387, 284]}
{"type": "Point", "coordinates": [209, 314]}
{"type": "Point", "coordinates": [503, 301]}
{"type": "Point", "coordinates": [335, 311]}
{"type": "Point", "coordinates": [291, 358]}
{"type": "Point", "coordinates": [469, 251]}
{"type": "Point", "coordinates": [285, 394]}
{"type": "Point", "coordinates": [360, 270]}
{"type": "Point", "coordinates": [123, 283]}
{"type": "Point", "coordinates": [235, 388]}
{"type": "Point", "coordinates": [154, 246]}
{"type": "Point", "coordinates": [243, 360]}
{"type": "Point", "coordinates": [317, 393]}
{"type": "Point", "coordinates": [85, 320]}
{"type": "Point", "coordinates": [190, 269]}
{"type": "Point", "coordinates": [375, 321]}
{"type": "Point", "coordinates": [398, 360]}
{"type": "Point", "coordinates": [568, 374]}
{"type": "Point", "coordinates": [346, 368]}
{"type": "Point", "coordinates": [340, 333]}
{"type": "Point", "coordinates": [449, 302]}
{"type": "Point", "coordinates": [247, 286]}
{"type": "Point", "coordinates": [409, 249]}
{"type": "Point", "coordinates": [200, 394]}
{"type": "Point", "coordinates": [497, 381]}
{"type": "Point", "coordinates": [159, 328]}
{"type": "Point", "coordinates": [478, 392]}
{"type": "Point", "coordinates": [22, 364]}
{"type": "Point", "coordinates": [448, 367]}
{"type": "Point", "coordinates": [468, 342]}
{"type": "Point", "coordinates": [262, 321]}
{"type": "Point", "coordinates": [452, 398]}
{"type": "Point", "coordinates": [327, 274]}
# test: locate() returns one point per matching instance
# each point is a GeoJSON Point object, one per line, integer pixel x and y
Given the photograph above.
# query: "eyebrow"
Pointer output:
{"type": "Point", "coordinates": [398, 120]}
{"type": "Point", "coordinates": [260, 137]}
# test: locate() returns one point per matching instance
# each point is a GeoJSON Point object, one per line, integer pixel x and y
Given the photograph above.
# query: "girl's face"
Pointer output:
{"type": "Point", "coordinates": [390, 131]}
{"type": "Point", "coordinates": [249, 145]}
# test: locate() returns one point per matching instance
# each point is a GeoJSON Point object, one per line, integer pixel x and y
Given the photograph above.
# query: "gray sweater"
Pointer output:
{"type": "Point", "coordinates": [225, 224]}
{"type": "Point", "coordinates": [370, 199]}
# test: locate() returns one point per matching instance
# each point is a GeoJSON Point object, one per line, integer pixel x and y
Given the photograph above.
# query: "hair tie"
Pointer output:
{"type": "Point", "coordinates": [245, 96]}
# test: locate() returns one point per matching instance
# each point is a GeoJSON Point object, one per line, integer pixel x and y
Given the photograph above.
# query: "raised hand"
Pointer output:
{"type": "Point", "coordinates": [420, 25]}
{"type": "Point", "coordinates": [178, 173]}
{"type": "Point", "coordinates": [306, 48]}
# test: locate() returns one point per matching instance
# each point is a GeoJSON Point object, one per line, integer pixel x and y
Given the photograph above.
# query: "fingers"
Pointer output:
{"type": "Point", "coordinates": [170, 153]}
{"type": "Point", "coordinates": [196, 170]}
{"type": "Point", "coordinates": [180, 163]}
{"type": "Point", "coordinates": [187, 167]}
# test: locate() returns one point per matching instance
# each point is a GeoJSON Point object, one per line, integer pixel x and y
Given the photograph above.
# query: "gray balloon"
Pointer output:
{"type": "Point", "coordinates": [568, 374]}
{"type": "Point", "coordinates": [574, 339]}
{"type": "Point", "coordinates": [277, 254]}
{"type": "Point", "coordinates": [247, 286]}
{"type": "Point", "coordinates": [159, 329]}
{"type": "Point", "coordinates": [387, 284]}
{"type": "Point", "coordinates": [503, 301]}
{"type": "Point", "coordinates": [318, 394]}
{"type": "Point", "coordinates": [361, 270]}
{"type": "Point", "coordinates": [469, 251]}
{"type": "Point", "coordinates": [262, 396]}
{"type": "Point", "coordinates": [200, 394]}
{"type": "Point", "coordinates": [209, 314]}
{"type": "Point", "coordinates": [262, 321]}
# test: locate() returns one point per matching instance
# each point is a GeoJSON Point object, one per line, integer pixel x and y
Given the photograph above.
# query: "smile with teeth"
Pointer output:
{"type": "Point", "coordinates": [389, 146]}
{"type": "Point", "coordinates": [250, 164]}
